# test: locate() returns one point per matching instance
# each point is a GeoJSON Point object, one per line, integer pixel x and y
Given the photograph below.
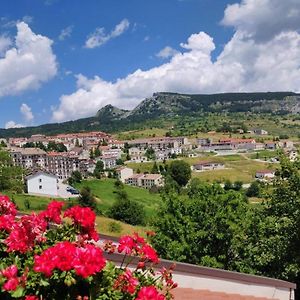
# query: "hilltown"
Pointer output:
{"type": "Point", "coordinates": [83, 150]}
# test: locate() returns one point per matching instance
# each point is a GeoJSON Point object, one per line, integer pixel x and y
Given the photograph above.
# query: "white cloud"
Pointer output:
{"type": "Point", "coordinates": [98, 37]}
{"type": "Point", "coordinates": [247, 63]}
{"type": "Point", "coordinates": [263, 19]}
{"type": "Point", "coordinates": [65, 33]}
{"type": "Point", "coordinates": [13, 124]}
{"type": "Point", "coordinates": [26, 112]}
{"type": "Point", "coordinates": [29, 63]}
{"type": "Point", "coordinates": [166, 52]}
{"type": "Point", "coordinates": [5, 43]}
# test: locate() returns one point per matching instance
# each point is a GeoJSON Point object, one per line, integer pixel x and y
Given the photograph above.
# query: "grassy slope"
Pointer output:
{"type": "Point", "coordinates": [104, 191]}
{"type": "Point", "coordinates": [237, 167]}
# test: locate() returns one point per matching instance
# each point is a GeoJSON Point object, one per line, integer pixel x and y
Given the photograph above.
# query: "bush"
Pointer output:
{"type": "Point", "coordinates": [26, 204]}
{"type": "Point", "coordinates": [128, 211]}
{"type": "Point", "coordinates": [115, 227]}
{"type": "Point", "coordinates": [253, 190]}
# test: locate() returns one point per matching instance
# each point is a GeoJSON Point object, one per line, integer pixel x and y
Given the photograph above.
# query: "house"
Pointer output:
{"type": "Point", "coordinates": [259, 146]}
{"type": "Point", "coordinates": [286, 144]}
{"type": "Point", "coordinates": [203, 141]}
{"type": "Point", "coordinates": [150, 180]}
{"type": "Point", "coordinates": [145, 180]}
{"type": "Point", "coordinates": [270, 145]}
{"type": "Point", "coordinates": [207, 166]}
{"type": "Point", "coordinates": [123, 173]}
{"type": "Point", "coordinates": [259, 131]}
{"type": "Point", "coordinates": [109, 162]}
{"type": "Point", "coordinates": [42, 183]}
{"type": "Point", "coordinates": [265, 174]}
{"type": "Point", "coordinates": [134, 180]}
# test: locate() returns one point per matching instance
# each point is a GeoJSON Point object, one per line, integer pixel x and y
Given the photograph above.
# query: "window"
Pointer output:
{"type": "Point", "coordinates": [40, 180]}
{"type": "Point", "coordinates": [40, 187]}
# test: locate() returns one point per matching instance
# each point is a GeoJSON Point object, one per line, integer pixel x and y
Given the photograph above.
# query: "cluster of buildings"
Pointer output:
{"type": "Point", "coordinates": [62, 164]}
{"type": "Point", "coordinates": [164, 148]}
{"type": "Point", "coordinates": [234, 144]}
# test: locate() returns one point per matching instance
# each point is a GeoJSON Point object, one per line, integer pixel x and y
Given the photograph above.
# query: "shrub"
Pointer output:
{"type": "Point", "coordinates": [128, 211]}
{"type": "Point", "coordinates": [114, 226]}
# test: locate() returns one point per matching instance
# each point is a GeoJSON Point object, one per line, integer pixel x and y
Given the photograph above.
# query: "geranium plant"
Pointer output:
{"type": "Point", "coordinates": [51, 255]}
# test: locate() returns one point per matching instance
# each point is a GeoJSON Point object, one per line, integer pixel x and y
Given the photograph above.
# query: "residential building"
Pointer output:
{"type": "Point", "coordinates": [260, 131]}
{"type": "Point", "coordinates": [265, 174]}
{"type": "Point", "coordinates": [42, 183]}
{"type": "Point", "coordinates": [109, 162]}
{"type": "Point", "coordinates": [123, 173]}
{"type": "Point", "coordinates": [62, 165]}
{"type": "Point", "coordinates": [134, 180]}
{"type": "Point", "coordinates": [150, 180]}
{"type": "Point", "coordinates": [270, 145]}
{"type": "Point", "coordinates": [207, 166]}
{"type": "Point", "coordinates": [29, 158]}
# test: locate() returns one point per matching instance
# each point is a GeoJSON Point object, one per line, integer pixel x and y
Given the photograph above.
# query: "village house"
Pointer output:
{"type": "Point", "coordinates": [150, 180]}
{"type": "Point", "coordinates": [260, 131]}
{"type": "Point", "coordinates": [265, 174]}
{"type": "Point", "coordinates": [137, 155]}
{"type": "Point", "coordinates": [108, 151]}
{"type": "Point", "coordinates": [286, 144]}
{"type": "Point", "coordinates": [109, 162]}
{"type": "Point", "coordinates": [207, 166]}
{"type": "Point", "coordinates": [134, 180]}
{"type": "Point", "coordinates": [146, 181]}
{"type": "Point", "coordinates": [270, 145]}
{"type": "Point", "coordinates": [259, 146]}
{"type": "Point", "coordinates": [42, 183]}
{"type": "Point", "coordinates": [123, 173]}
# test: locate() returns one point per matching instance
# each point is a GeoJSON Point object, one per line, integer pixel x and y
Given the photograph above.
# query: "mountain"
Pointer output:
{"type": "Point", "coordinates": [168, 105]}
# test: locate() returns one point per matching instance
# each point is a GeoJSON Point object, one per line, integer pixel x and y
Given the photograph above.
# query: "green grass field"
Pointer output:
{"type": "Point", "coordinates": [103, 190]}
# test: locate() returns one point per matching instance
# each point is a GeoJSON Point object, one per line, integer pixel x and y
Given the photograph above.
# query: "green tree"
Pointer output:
{"type": "Point", "coordinates": [253, 190]}
{"type": "Point", "coordinates": [125, 209]}
{"type": "Point", "coordinates": [180, 171]}
{"type": "Point", "coordinates": [154, 169]}
{"type": "Point", "coordinates": [86, 198]}
{"type": "Point", "coordinates": [203, 226]}
{"type": "Point", "coordinates": [150, 154]}
{"type": "Point", "coordinates": [97, 152]}
{"type": "Point", "coordinates": [11, 177]}
{"type": "Point", "coordinates": [228, 185]}
{"type": "Point", "coordinates": [99, 168]}
{"type": "Point", "coordinates": [237, 185]}
{"type": "Point", "coordinates": [76, 177]}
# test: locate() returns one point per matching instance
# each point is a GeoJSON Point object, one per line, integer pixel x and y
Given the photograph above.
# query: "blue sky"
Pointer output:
{"type": "Point", "coordinates": [63, 60]}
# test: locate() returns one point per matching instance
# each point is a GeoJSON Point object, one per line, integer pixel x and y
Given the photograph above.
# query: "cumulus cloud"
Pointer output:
{"type": "Point", "coordinates": [5, 43]}
{"type": "Point", "coordinates": [65, 33]}
{"type": "Point", "coordinates": [99, 37]}
{"type": "Point", "coordinates": [247, 63]}
{"type": "Point", "coordinates": [28, 63]}
{"type": "Point", "coordinates": [263, 19]}
{"type": "Point", "coordinates": [166, 52]}
{"type": "Point", "coordinates": [13, 124]}
{"type": "Point", "coordinates": [26, 112]}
